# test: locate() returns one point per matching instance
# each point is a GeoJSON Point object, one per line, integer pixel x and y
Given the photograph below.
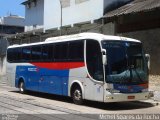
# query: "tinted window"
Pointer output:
{"type": "Point", "coordinates": [61, 51]}
{"type": "Point", "coordinates": [76, 51]}
{"type": "Point", "coordinates": [36, 53]}
{"type": "Point", "coordinates": [14, 55]}
{"type": "Point", "coordinates": [47, 52]}
{"type": "Point", "coordinates": [65, 51]}
{"type": "Point", "coordinates": [17, 53]}
{"type": "Point", "coordinates": [94, 60]}
{"type": "Point", "coordinates": [26, 54]}
{"type": "Point", "coordinates": [9, 55]}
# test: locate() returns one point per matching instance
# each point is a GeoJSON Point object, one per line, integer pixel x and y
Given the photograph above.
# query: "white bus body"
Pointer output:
{"type": "Point", "coordinates": [84, 66]}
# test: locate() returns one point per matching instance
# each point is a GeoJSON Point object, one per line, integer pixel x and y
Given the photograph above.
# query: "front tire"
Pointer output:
{"type": "Point", "coordinates": [22, 87]}
{"type": "Point", "coordinates": [77, 96]}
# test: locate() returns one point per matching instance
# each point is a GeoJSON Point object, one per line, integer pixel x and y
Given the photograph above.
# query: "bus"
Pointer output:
{"type": "Point", "coordinates": [85, 66]}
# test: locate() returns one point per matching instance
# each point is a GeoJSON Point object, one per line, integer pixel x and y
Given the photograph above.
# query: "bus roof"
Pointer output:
{"type": "Point", "coordinates": [96, 36]}
{"type": "Point", "coordinates": [88, 35]}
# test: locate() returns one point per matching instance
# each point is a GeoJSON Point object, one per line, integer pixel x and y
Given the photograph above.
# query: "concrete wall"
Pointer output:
{"type": "Point", "coordinates": [2, 65]}
{"type": "Point", "coordinates": [151, 41]}
{"type": "Point", "coordinates": [109, 29]}
{"type": "Point", "coordinates": [75, 13]}
{"type": "Point", "coordinates": [47, 13]}
{"type": "Point", "coordinates": [3, 46]}
{"type": "Point", "coordinates": [34, 16]}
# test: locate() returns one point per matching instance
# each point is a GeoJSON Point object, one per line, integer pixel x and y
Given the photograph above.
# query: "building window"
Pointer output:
{"type": "Point", "coordinates": [65, 3]}
{"type": "Point", "coordinates": [34, 3]}
{"type": "Point", "coordinates": [80, 1]}
{"type": "Point", "coordinates": [28, 5]}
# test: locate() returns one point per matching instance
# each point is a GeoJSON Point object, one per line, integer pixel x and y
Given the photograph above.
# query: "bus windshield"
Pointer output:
{"type": "Point", "coordinates": [126, 63]}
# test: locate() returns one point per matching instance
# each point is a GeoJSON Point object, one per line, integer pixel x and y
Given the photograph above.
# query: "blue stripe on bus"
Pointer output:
{"type": "Point", "coordinates": [44, 80]}
{"type": "Point", "coordinates": [129, 88]}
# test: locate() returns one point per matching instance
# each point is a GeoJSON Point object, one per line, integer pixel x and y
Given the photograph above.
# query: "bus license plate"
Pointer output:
{"type": "Point", "coordinates": [131, 97]}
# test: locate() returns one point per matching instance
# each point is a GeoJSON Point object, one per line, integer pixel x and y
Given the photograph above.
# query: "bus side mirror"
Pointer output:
{"type": "Point", "coordinates": [147, 57]}
{"type": "Point", "coordinates": [104, 57]}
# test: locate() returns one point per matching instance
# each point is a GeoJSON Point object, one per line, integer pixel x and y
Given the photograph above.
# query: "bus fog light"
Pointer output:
{"type": "Point", "coordinates": [109, 97]}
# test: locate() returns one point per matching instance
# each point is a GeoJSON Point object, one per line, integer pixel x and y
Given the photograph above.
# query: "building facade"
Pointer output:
{"type": "Point", "coordinates": [9, 25]}
{"type": "Point", "coordinates": [47, 18]}
{"type": "Point", "coordinates": [54, 14]}
{"type": "Point", "coordinates": [139, 19]}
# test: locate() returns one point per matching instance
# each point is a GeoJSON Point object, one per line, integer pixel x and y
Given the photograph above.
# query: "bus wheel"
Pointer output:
{"type": "Point", "coordinates": [77, 96]}
{"type": "Point", "coordinates": [22, 87]}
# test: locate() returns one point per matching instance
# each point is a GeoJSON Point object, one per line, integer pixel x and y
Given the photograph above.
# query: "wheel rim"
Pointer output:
{"type": "Point", "coordinates": [21, 87]}
{"type": "Point", "coordinates": [77, 95]}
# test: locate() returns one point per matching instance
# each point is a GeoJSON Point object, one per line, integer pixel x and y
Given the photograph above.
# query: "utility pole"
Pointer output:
{"type": "Point", "coordinates": [61, 17]}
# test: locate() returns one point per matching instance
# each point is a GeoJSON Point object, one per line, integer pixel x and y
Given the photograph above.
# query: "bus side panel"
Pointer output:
{"type": "Point", "coordinates": [77, 74]}
{"type": "Point", "coordinates": [11, 68]}
{"type": "Point", "coordinates": [30, 75]}
{"type": "Point", "coordinates": [43, 80]}
{"type": "Point", "coordinates": [45, 77]}
{"type": "Point", "coordinates": [54, 81]}
{"type": "Point", "coordinates": [55, 76]}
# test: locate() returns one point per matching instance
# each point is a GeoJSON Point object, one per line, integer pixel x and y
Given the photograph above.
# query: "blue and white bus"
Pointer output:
{"type": "Point", "coordinates": [87, 66]}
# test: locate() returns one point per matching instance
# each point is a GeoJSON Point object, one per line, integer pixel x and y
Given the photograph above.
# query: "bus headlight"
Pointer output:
{"type": "Point", "coordinates": [113, 91]}
{"type": "Point", "coordinates": [109, 98]}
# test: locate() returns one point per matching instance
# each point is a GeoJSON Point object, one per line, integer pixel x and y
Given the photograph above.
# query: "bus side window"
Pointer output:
{"type": "Point", "coordinates": [76, 51]}
{"type": "Point", "coordinates": [36, 53]}
{"type": "Point", "coordinates": [14, 55]}
{"type": "Point", "coordinates": [61, 52]}
{"type": "Point", "coordinates": [10, 55]}
{"type": "Point", "coordinates": [94, 60]}
{"type": "Point", "coordinates": [26, 54]}
{"type": "Point", "coordinates": [47, 52]}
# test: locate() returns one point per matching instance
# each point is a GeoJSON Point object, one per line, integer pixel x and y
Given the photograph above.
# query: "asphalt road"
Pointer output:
{"type": "Point", "coordinates": [40, 106]}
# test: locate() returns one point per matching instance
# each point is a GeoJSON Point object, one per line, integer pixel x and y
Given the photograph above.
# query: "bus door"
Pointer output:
{"type": "Point", "coordinates": [94, 84]}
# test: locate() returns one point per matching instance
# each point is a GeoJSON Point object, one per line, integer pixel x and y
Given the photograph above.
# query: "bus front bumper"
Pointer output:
{"type": "Point", "coordinates": [121, 97]}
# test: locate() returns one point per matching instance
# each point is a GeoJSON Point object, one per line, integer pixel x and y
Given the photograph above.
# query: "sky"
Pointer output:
{"type": "Point", "coordinates": [13, 7]}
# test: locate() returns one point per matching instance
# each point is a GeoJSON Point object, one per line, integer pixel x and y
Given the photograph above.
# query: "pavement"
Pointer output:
{"type": "Point", "coordinates": [155, 86]}
{"type": "Point", "coordinates": [3, 81]}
